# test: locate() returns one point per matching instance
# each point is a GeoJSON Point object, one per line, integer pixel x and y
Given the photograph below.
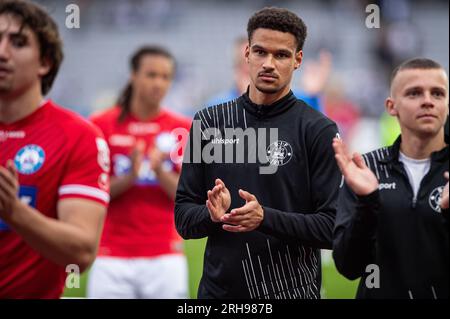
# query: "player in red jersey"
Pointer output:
{"type": "Point", "coordinates": [53, 165]}
{"type": "Point", "coordinates": [140, 253]}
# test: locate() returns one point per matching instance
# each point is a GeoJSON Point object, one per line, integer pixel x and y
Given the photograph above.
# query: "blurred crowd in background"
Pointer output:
{"type": "Point", "coordinates": [345, 62]}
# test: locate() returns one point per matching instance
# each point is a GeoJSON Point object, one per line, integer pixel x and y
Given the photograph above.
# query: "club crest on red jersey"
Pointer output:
{"type": "Point", "coordinates": [103, 154]}
{"type": "Point", "coordinates": [29, 159]}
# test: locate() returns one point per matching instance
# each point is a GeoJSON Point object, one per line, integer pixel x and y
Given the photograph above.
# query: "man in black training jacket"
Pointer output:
{"type": "Point", "coordinates": [392, 220]}
{"type": "Point", "coordinates": [259, 177]}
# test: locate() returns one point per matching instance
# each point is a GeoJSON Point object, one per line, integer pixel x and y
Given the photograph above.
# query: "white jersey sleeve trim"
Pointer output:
{"type": "Point", "coordinates": [84, 190]}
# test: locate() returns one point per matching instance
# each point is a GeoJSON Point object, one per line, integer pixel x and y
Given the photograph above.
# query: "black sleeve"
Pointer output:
{"type": "Point", "coordinates": [354, 233]}
{"type": "Point", "coordinates": [445, 215]}
{"type": "Point", "coordinates": [314, 229]}
{"type": "Point", "coordinates": [192, 218]}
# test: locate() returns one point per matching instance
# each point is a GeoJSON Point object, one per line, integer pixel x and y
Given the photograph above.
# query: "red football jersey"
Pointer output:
{"type": "Point", "coordinates": [57, 155]}
{"type": "Point", "coordinates": [140, 222]}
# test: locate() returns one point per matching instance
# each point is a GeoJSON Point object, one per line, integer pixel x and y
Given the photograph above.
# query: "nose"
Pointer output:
{"type": "Point", "coordinates": [427, 100]}
{"type": "Point", "coordinates": [160, 83]}
{"type": "Point", "coordinates": [268, 64]}
{"type": "Point", "coordinates": [4, 49]}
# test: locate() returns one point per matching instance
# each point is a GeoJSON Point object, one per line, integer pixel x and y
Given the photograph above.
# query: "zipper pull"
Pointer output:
{"type": "Point", "coordinates": [414, 202]}
{"type": "Point", "coordinates": [259, 112]}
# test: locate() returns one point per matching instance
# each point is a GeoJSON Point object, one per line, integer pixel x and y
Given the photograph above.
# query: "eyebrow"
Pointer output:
{"type": "Point", "coordinates": [287, 52]}
{"type": "Point", "coordinates": [14, 34]}
{"type": "Point", "coordinates": [421, 88]}
{"type": "Point", "coordinates": [258, 47]}
{"type": "Point", "coordinates": [412, 88]}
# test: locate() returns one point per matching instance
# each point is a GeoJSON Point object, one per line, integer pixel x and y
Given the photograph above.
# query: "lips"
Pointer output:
{"type": "Point", "coordinates": [267, 77]}
{"type": "Point", "coordinates": [4, 69]}
{"type": "Point", "coordinates": [427, 116]}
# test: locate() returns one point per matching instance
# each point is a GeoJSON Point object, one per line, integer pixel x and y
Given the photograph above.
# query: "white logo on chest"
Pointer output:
{"type": "Point", "coordinates": [435, 198]}
{"type": "Point", "coordinates": [387, 186]}
{"type": "Point", "coordinates": [279, 153]}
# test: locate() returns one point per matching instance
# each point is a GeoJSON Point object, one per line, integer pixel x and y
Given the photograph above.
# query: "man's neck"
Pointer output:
{"type": "Point", "coordinates": [421, 148]}
{"type": "Point", "coordinates": [142, 111]}
{"type": "Point", "coordinates": [261, 98]}
{"type": "Point", "coordinates": [15, 108]}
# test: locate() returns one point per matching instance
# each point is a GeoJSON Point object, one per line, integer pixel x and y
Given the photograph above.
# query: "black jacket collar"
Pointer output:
{"type": "Point", "coordinates": [266, 111]}
{"type": "Point", "coordinates": [439, 156]}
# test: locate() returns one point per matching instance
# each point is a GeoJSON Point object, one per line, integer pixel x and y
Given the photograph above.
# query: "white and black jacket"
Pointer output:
{"type": "Point", "coordinates": [281, 258]}
{"type": "Point", "coordinates": [406, 238]}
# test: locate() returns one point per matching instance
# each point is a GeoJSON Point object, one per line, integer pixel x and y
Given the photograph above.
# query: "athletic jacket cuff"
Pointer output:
{"type": "Point", "coordinates": [267, 217]}
{"type": "Point", "coordinates": [370, 199]}
{"type": "Point", "coordinates": [366, 211]}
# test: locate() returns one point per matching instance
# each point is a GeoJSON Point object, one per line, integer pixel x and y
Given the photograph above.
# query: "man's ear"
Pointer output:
{"type": "Point", "coordinates": [247, 53]}
{"type": "Point", "coordinates": [45, 67]}
{"type": "Point", "coordinates": [298, 59]}
{"type": "Point", "coordinates": [389, 104]}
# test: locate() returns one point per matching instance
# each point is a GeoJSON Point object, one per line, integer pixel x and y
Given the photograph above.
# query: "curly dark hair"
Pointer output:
{"type": "Point", "coordinates": [35, 18]}
{"type": "Point", "coordinates": [278, 19]}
